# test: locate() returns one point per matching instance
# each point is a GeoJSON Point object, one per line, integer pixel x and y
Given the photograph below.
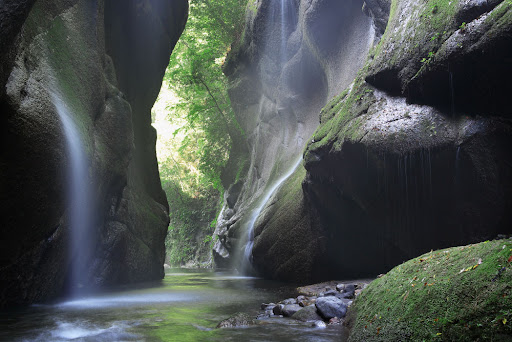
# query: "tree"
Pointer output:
{"type": "Point", "coordinates": [195, 75]}
{"type": "Point", "coordinates": [191, 169]}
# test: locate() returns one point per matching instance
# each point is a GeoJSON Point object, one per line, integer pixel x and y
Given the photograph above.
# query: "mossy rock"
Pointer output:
{"type": "Point", "coordinates": [455, 294]}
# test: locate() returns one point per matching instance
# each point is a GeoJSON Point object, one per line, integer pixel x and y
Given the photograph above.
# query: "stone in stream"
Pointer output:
{"type": "Point", "coordinates": [348, 291]}
{"type": "Point", "coordinates": [330, 307]}
{"type": "Point", "coordinates": [288, 301]}
{"type": "Point", "coordinates": [306, 301]}
{"type": "Point", "coordinates": [329, 293]}
{"type": "Point", "coordinates": [278, 309]}
{"type": "Point", "coordinates": [239, 319]}
{"type": "Point", "coordinates": [319, 324]}
{"type": "Point", "coordinates": [268, 306]}
{"type": "Point", "coordinates": [290, 309]}
{"type": "Point", "coordinates": [307, 314]}
{"type": "Point", "coordinates": [340, 287]}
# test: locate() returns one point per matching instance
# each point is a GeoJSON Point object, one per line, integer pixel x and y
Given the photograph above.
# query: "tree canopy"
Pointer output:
{"type": "Point", "coordinates": [203, 125]}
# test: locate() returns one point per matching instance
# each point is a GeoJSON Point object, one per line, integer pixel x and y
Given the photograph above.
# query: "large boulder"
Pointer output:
{"type": "Point", "coordinates": [330, 307]}
{"type": "Point", "coordinates": [104, 62]}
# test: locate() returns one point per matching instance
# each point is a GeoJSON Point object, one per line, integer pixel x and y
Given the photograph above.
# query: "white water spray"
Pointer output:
{"type": "Point", "coordinates": [78, 197]}
{"type": "Point", "coordinates": [246, 261]}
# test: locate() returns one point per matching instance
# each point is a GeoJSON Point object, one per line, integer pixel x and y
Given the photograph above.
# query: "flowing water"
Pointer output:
{"type": "Point", "coordinates": [79, 198]}
{"type": "Point", "coordinates": [185, 306]}
{"type": "Point", "coordinates": [246, 262]}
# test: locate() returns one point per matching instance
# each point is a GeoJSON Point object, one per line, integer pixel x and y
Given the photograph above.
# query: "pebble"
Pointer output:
{"type": "Point", "coordinates": [319, 324]}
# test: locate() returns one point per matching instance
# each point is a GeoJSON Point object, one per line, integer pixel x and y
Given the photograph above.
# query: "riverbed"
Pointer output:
{"type": "Point", "coordinates": [185, 306]}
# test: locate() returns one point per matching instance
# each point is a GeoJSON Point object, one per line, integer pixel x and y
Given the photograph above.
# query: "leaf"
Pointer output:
{"type": "Point", "coordinates": [504, 321]}
{"type": "Point", "coordinates": [510, 259]}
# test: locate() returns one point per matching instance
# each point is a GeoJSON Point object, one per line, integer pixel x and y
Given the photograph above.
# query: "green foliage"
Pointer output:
{"type": "Point", "coordinates": [203, 130]}
{"type": "Point", "coordinates": [195, 75]}
{"type": "Point", "coordinates": [189, 239]}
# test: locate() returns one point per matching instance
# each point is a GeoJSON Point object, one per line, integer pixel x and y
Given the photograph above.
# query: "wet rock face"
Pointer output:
{"type": "Point", "coordinates": [90, 55]}
{"type": "Point", "coordinates": [294, 57]}
{"type": "Point", "coordinates": [413, 156]}
{"type": "Point", "coordinates": [391, 178]}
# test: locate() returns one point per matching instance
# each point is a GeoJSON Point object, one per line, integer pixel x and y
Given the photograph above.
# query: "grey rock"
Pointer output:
{"type": "Point", "coordinates": [268, 306]}
{"type": "Point", "coordinates": [329, 293]}
{"type": "Point", "coordinates": [319, 324]}
{"type": "Point", "coordinates": [348, 292]}
{"type": "Point", "coordinates": [240, 319]}
{"type": "Point", "coordinates": [307, 301]}
{"type": "Point", "coordinates": [278, 309]}
{"type": "Point", "coordinates": [329, 307]}
{"type": "Point", "coordinates": [290, 309]}
{"type": "Point", "coordinates": [307, 314]}
{"type": "Point", "coordinates": [288, 301]}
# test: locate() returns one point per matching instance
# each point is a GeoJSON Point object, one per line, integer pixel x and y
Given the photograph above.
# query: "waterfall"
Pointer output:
{"type": "Point", "coordinates": [78, 198]}
{"type": "Point", "coordinates": [269, 191]}
{"type": "Point", "coordinates": [285, 13]}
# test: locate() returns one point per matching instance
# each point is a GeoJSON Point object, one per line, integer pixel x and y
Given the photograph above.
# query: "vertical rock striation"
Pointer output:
{"type": "Point", "coordinates": [105, 61]}
{"type": "Point", "coordinates": [294, 56]}
{"type": "Point", "coordinates": [412, 156]}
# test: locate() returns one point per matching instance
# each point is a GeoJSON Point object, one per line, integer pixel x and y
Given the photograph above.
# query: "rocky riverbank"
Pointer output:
{"type": "Point", "coordinates": [461, 293]}
{"type": "Point", "coordinates": [318, 305]}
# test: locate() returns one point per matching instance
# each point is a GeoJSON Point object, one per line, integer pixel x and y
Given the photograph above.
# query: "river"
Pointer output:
{"type": "Point", "coordinates": [185, 306]}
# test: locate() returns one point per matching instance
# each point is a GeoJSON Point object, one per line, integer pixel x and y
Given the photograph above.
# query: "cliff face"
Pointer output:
{"type": "Point", "coordinates": [104, 62]}
{"type": "Point", "coordinates": [412, 156]}
{"type": "Point", "coordinates": [294, 56]}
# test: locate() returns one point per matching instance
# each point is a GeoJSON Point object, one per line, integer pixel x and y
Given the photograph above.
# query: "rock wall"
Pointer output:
{"type": "Point", "coordinates": [413, 156]}
{"type": "Point", "coordinates": [105, 61]}
{"type": "Point", "coordinates": [294, 56]}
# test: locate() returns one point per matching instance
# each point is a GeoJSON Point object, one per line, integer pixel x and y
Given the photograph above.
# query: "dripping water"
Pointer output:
{"type": "Point", "coordinates": [452, 95]}
{"type": "Point", "coordinates": [457, 162]}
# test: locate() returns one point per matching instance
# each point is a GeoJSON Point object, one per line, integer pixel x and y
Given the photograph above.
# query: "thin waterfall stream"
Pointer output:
{"type": "Point", "coordinates": [79, 199]}
{"type": "Point", "coordinates": [246, 261]}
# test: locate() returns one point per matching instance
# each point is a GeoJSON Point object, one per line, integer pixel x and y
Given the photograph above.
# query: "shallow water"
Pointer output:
{"type": "Point", "coordinates": [185, 306]}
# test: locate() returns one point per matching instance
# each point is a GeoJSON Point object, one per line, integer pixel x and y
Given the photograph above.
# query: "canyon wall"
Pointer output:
{"type": "Point", "coordinates": [293, 57]}
{"type": "Point", "coordinates": [104, 62]}
{"type": "Point", "coordinates": [412, 156]}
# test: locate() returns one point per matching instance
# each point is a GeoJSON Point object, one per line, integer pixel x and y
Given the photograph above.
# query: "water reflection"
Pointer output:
{"type": "Point", "coordinates": [185, 306]}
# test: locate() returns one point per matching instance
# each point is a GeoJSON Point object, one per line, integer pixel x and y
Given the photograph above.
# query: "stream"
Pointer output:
{"type": "Point", "coordinates": [185, 306]}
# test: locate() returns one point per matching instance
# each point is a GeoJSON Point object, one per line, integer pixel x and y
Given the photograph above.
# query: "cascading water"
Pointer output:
{"type": "Point", "coordinates": [286, 14]}
{"type": "Point", "coordinates": [246, 261]}
{"type": "Point", "coordinates": [284, 18]}
{"type": "Point", "coordinates": [79, 199]}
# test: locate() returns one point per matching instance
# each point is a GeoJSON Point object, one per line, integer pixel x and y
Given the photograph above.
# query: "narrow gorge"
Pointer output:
{"type": "Point", "coordinates": [360, 145]}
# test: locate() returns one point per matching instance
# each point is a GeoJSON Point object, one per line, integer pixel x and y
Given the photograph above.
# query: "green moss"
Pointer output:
{"type": "Point", "coordinates": [500, 18]}
{"type": "Point", "coordinates": [242, 168]}
{"type": "Point", "coordinates": [446, 295]}
{"type": "Point", "coordinates": [69, 57]}
{"type": "Point", "coordinates": [413, 45]}
{"type": "Point", "coordinates": [342, 110]}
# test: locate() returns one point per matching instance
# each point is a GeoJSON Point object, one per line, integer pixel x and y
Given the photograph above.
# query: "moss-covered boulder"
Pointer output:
{"type": "Point", "coordinates": [455, 294]}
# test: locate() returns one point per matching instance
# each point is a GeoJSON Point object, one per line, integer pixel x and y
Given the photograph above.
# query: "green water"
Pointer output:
{"type": "Point", "coordinates": [185, 306]}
